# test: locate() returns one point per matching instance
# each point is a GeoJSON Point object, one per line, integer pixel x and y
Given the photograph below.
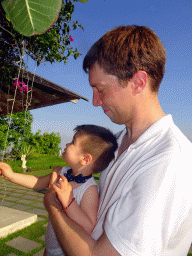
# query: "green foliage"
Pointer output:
{"type": "Point", "coordinates": [22, 140]}
{"type": "Point", "coordinates": [19, 129]}
{"type": "Point", "coordinates": [32, 16]}
{"type": "Point", "coordinates": [45, 143]}
{"type": "Point", "coordinates": [52, 46]}
{"type": "Point", "coordinates": [38, 163]}
{"type": "Point", "coordinates": [96, 177]}
{"type": "Point", "coordinates": [26, 150]}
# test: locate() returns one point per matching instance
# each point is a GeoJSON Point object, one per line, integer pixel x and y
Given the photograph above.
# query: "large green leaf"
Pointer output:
{"type": "Point", "coordinates": [31, 17]}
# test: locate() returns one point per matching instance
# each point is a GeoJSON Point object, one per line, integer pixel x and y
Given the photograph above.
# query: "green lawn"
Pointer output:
{"type": "Point", "coordinates": [38, 163]}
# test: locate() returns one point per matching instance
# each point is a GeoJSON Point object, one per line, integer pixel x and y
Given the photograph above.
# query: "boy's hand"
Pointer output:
{"type": "Point", "coordinates": [6, 171]}
{"type": "Point", "coordinates": [55, 175]}
{"type": "Point", "coordinates": [64, 191]}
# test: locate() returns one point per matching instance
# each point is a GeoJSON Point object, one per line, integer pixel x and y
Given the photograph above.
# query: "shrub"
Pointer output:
{"type": "Point", "coordinates": [26, 150]}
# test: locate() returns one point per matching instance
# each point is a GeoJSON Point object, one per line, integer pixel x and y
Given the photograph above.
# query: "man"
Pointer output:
{"type": "Point", "coordinates": [145, 203]}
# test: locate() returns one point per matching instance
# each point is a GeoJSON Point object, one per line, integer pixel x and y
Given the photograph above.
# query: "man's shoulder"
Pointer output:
{"type": "Point", "coordinates": [177, 139]}
{"type": "Point", "coordinates": [164, 135]}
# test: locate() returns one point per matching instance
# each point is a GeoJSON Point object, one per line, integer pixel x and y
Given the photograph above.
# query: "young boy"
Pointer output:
{"type": "Point", "coordinates": [90, 151]}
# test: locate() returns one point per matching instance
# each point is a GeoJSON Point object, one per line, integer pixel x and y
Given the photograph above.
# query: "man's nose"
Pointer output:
{"type": "Point", "coordinates": [96, 99]}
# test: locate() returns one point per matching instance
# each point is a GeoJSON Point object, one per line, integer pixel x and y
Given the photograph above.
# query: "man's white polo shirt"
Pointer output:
{"type": "Point", "coordinates": [145, 195]}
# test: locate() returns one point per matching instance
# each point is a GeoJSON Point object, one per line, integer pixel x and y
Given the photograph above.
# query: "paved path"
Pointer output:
{"type": "Point", "coordinates": [23, 199]}
{"type": "Point", "coordinates": [30, 201]}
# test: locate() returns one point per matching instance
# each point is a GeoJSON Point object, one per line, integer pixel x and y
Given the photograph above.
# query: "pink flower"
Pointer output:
{"type": "Point", "coordinates": [25, 88]}
{"type": "Point", "coordinates": [16, 83]}
{"type": "Point", "coordinates": [21, 86]}
{"type": "Point", "coordinates": [71, 38]}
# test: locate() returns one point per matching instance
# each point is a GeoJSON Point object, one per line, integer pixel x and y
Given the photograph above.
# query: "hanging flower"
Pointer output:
{"type": "Point", "coordinates": [25, 88]}
{"type": "Point", "coordinates": [16, 83]}
{"type": "Point", "coordinates": [21, 86]}
{"type": "Point", "coordinates": [71, 38]}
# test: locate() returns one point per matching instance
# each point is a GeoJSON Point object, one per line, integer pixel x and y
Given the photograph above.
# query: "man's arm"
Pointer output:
{"type": "Point", "coordinates": [73, 239]}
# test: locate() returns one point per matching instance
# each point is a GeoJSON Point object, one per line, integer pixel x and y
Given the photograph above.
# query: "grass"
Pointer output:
{"type": "Point", "coordinates": [37, 162]}
{"type": "Point", "coordinates": [33, 232]}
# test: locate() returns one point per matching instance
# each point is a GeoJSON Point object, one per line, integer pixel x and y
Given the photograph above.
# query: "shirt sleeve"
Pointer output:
{"type": "Point", "coordinates": [145, 217]}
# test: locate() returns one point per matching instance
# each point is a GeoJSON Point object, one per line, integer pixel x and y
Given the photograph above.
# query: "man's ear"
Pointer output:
{"type": "Point", "coordinates": [86, 159]}
{"type": "Point", "coordinates": [139, 80]}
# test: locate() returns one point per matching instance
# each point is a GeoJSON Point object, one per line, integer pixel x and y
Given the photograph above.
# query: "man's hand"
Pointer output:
{"type": "Point", "coordinates": [64, 191]}
{"type": "Point", "coordinates": [51, 201]}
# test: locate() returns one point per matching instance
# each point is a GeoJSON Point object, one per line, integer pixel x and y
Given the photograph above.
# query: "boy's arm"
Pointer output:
{"type": "Point", "coordinates": [86, 214]}
{"type": "Point", "coordinates": [73, 239]}
{"type": "Point", "coordinates": [28, 181]}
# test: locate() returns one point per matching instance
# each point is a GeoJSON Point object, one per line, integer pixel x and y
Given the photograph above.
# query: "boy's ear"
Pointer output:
{"type": "Point", "coordinates": [86, 159]}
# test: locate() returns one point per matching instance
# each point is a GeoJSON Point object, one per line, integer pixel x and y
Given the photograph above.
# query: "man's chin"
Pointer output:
{"type": "Point", "coordinates": [115, 121]}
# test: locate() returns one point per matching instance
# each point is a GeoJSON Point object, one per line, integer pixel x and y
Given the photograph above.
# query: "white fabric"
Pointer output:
{"type": "Point", "coordinates": [51, 243]}
{"type": "Point", "coordinates": [145, 195]}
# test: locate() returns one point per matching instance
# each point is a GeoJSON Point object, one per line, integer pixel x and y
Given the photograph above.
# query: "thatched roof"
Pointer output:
{"type": "Point", "coordinates": [44, 93]}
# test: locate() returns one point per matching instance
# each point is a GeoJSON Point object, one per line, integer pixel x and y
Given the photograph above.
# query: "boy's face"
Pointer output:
{"type": "Point", "coordinates": [73, 152]}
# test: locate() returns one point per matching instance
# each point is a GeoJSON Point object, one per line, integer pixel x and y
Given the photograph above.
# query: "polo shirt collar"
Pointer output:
{"type": "Point", "coordinates": [154, 130]}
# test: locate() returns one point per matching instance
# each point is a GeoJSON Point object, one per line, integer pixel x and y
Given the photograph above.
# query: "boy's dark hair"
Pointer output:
{"type": "Point", "coordinates": [125, 50]}
{"type": "Point", "coordinates": [99, 142]}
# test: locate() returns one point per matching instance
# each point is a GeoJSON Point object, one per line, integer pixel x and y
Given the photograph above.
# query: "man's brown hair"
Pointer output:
{"type": "Point", "coordinates": [99, 142]}
{"type": "Point", "coordinates": [125, 50]}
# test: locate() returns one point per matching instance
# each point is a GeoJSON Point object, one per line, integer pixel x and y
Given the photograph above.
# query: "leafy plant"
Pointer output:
{"type": "Point", "coordinates": [30, 17]}
{"type": "Point", "coordinates": [26, 150]}
{"type": "Point", "coordinates": [45, 143]}
{"type": "Point", "coordinates": [52, 46]}
{"type": "Point", "coordinates": [19, 130]}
